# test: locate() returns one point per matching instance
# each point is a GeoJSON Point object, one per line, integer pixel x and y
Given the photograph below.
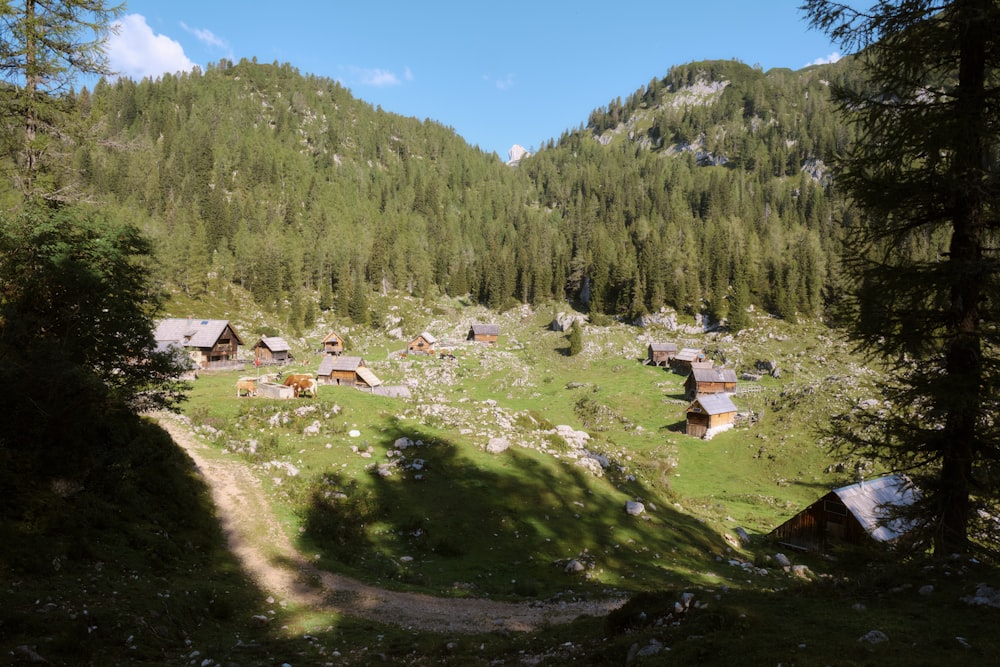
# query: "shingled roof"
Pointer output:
{"type": "Point", "coordinates": [191, 333]}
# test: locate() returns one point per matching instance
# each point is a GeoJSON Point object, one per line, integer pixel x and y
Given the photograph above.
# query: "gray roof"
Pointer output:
{"type": "Point", "coordinates": [688, 354]}
{"type": "Point", "coordinates": [331, 363]}
{"type": "Point", "coordinates": [715, 404]}
{"type": "Point", "coordinates": [191, 332]}
{"type": "Point", "coordinates": [274, 343]}
{"type": "Point", "coordinates": [427, 337]}
{"type": "Point", "coordinates": [368, 376]}
{"type": "Point", "coordinates": [871, 501]}
{"type": "Point", "coordinates": [701, 374]}
{"type": "Point", "coordinates": [663, 347]}
{"type": "Point", "coordinates": [486, 329]}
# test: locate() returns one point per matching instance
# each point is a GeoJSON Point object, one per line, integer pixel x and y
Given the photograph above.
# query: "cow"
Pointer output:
{"type": "Point", "coordinates": [248, 386]}
{"type": "Point", "coordinates": [301, 383]}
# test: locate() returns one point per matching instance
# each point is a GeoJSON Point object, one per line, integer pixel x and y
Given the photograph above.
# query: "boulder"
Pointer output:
{"type": "Point", "coordinates": [634, 508]}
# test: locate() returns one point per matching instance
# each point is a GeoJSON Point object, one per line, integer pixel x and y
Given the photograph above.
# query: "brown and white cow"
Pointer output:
{"type": "Point", "coordinates": [301, 383]}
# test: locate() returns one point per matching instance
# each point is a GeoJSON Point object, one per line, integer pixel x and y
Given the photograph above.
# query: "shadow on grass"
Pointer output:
{"type": "Point", "coordinates": [455, 520]}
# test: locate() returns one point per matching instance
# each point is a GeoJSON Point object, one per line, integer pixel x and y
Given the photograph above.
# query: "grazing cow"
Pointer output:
{"type": "Point", "coordinates": [301, 383]}
{"type": "Point", "coordinates": [247, 386]}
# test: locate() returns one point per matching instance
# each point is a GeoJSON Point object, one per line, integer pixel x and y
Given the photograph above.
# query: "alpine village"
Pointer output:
{"type": "Point", "coordinates": [710, 379]}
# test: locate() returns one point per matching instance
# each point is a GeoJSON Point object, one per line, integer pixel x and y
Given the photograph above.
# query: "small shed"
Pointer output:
{"type": "Point", "coordinates": [272, 350]}
{"type": "Point", "coordinates": [660, 354]}
{"type": "Point", "coordinates": [711, 414]}
{"type": "Point", "coordinates": [208, 342]}
{"type": "Point", "coordinates": [704, 381]}
{"type": "Point", "coordinates": [346, 370]}
{"type": "Point", "coordinates": [682, 360]}
{"type": "Point", "coordinates": [851, 514]}
{"type": "Point", "coordinates": [333, 344]}
{"type": "Point", "coordinates": [484, 333]}
{"type": "Point", "coordinates": [422, 344]}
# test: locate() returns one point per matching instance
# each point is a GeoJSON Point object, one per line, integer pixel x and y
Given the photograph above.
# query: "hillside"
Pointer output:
{"type": "Point", "coordinates": [705, 192]}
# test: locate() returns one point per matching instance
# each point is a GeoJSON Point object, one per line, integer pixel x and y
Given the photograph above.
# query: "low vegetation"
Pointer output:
{"type": "Point", "coordinates": [403, 493]}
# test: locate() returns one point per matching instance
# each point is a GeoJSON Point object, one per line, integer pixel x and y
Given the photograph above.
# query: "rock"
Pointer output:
{"type": "Point", "coordinates": [874, 637]}
{"type": "Point", "coordinates": [985, 595]}
{"type": "Point", "coordinates": [312, 429]}
{"type": "Point", "coordinates": [801, 571]}
{"type": "Point", "coordinates": [634, 508]}
{"type": "Point", "coordinates": [25, 653]}
{"type": "Point", "coordinates": [574, 566]}
{"type": "Point", "coordinates": [926, 590]}
{"type": "Point", "coordinates": [782, 560]}
{"type": "Point", "coordinates": [743, 535]}
{"type": "Point", "coordinates": [497, 445]}
{"type": "Point", "coordinates": [354, 433]}
{"type": "Point", "coordinates": [653, 648]}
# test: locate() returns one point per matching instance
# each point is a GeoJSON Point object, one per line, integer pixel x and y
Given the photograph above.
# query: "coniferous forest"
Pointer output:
{"type": "Point", "coordinates": [706, 190]}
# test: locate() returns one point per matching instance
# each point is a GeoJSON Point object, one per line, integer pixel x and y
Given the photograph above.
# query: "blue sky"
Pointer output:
{"type": "Point", "coordinates": [498, 73]}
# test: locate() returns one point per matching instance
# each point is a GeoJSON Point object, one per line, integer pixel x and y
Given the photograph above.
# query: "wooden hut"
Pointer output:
{"type": "Point", "coordinates": [703, 381]}
{"type": "Point", "coordinates": [272, 350]}
{"type": "Point", "coordinates": [660, 354]}
{"type": "Point", "coordinates": [484, 333]}
{"type": "Point", "coordinates": [208, 342]}
{"type": "Point", "coordinates": [851, 514]}
{"type": "Point", "coordinates": [346, 370]}
{"type": "Point", "coordinates": [333, 344]}
{"type": "Point", "coordinates": [682, 360]}
{"type": "Point", "coordinates": [422, 344]}
{"type": "Point", "coordinates": [711, 414]}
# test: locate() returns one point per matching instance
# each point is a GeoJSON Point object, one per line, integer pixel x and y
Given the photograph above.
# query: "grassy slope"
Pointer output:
{"type": "Point", "coordinates": [495, 525]}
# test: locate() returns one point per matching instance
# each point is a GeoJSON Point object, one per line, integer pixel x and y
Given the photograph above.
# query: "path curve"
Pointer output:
{"type": "Point", "coordinates": [266, 553]}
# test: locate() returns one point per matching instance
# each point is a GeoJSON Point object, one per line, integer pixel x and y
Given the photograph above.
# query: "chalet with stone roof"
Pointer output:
{"type": "Point", "coordinates": [660, 354]}
{"type": "Point", "coordinates": [703, 381]}
{"type": "Point", "coordinates": [484, 333]}
{"type": "Point", "coordinates": [709, 415]}
{"type": "Point", "coordinates": [347, 371]}
{"type": "Point", "coordinates": [852, 514]}
{"type": "Point", "coordinates": [208, 342]}
{"type": "Point", "coordinates": [333, 344]}
{"type": "Point", "coordinates": [271, 350]}
{"type": "Point", "coordinates": [422, 344]}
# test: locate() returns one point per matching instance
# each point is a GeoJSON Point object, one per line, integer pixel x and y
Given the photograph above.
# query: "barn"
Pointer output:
{"type": "Point", "coordinates": [271, 350]}
{"type": "Point", "coordinates": [422, 344]}
{"type": "Point", "coordinates": [348, 371]}
{"type": "Point", "coordinates": [660, 354]}
{"type": "Point", "coordinates": [484, 333]}
{"type": "Point", "coordinates": [710, 380]}
{"type": "Point", "coordinates": [852, 514]}
{"type": "Point", "coordinates": [709, 415]}
{"type": "Point", "coordinates": [210, 343]}
{"type": "Point", "coordinates": [333, 344]}
{"type": "Point", "coordinates": [682, 360]}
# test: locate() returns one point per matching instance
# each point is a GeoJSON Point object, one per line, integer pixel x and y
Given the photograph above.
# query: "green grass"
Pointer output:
{"type": "Point", "coordinates": [145, 557]}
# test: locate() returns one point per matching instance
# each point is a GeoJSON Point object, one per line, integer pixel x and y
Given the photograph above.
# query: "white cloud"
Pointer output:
{"type": "Point", "coordinates": [206, 37]}
{"type": "Point", "coordinates": [137, 52]}
{"type": "Point", "coordinates": [832, 58]}
{"type": "Point", "coordinates": [379, 78]}
{"type": "Point", "coordinates": [506, 82]}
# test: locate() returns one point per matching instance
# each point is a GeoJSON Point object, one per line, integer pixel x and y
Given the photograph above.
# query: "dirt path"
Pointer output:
{"type": "Point", "coordinates": [268, 555]}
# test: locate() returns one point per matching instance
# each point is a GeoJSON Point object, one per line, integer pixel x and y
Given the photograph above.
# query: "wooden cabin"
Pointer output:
{"type": "Point", "coordinates": [851, 514]}
{"type": "Point", "coordinates": [682, 360]}
{"type": "Point", "coordinates": [208, 342]}
{"type": "Point", "coordinates": [422, 344]}
{"type": "Point", "coordinates": [333, 344]}
{"type": "Point", "coordinates": [347, 371]}
{"type": "Point", "coordinates": [711, 414]}
{"type": "Point", "coordinates": [272, 350]}
{"type": "Point", "coordinates": [703, 381]}
{"type": "Point", "coordinates": [660, 354]}
{"type": "Point", "coordinates": [484, 333]}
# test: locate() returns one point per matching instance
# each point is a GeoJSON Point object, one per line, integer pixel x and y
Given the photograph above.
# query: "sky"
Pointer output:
{"type": "Point", "coordinates": [498, 73]}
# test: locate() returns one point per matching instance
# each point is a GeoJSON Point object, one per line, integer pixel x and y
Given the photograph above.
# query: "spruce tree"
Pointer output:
{"type": "Point", "coordinates": [925, 179]}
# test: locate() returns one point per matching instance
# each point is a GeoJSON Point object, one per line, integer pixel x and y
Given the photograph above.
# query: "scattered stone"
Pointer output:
{"type": "Point", "coordinates": [634, 508]}
{"type": "Point", "coordinates": [497, 445]}
{"type": "Point", "coordinates": [926, 590]}
{"type": "Point", "coordinates": [874, 637]}
{"type": "Point", "coordinates": [574, 566]}
{"type": "Point", "coordinates": [354, 433]}
{"type": "Point", "coordinates": [985, 595]}
{"type": "Point", "coordinates": [782, 560]}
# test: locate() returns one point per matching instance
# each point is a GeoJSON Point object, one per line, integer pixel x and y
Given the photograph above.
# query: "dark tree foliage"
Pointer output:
{"type": "Point", "coordinates": [925, 177]}
{"type": "Point", "coordinates": [76, 347]}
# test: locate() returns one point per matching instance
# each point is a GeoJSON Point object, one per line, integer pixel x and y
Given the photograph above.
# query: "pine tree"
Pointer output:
{"type": "Point", "coordinates": [926, 168]}
{"type": "Point", "coordinates": [575, 339]}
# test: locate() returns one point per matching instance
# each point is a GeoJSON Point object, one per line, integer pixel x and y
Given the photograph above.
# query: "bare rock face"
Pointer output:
{"type": "Point", "coordinates": [516, 154]}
